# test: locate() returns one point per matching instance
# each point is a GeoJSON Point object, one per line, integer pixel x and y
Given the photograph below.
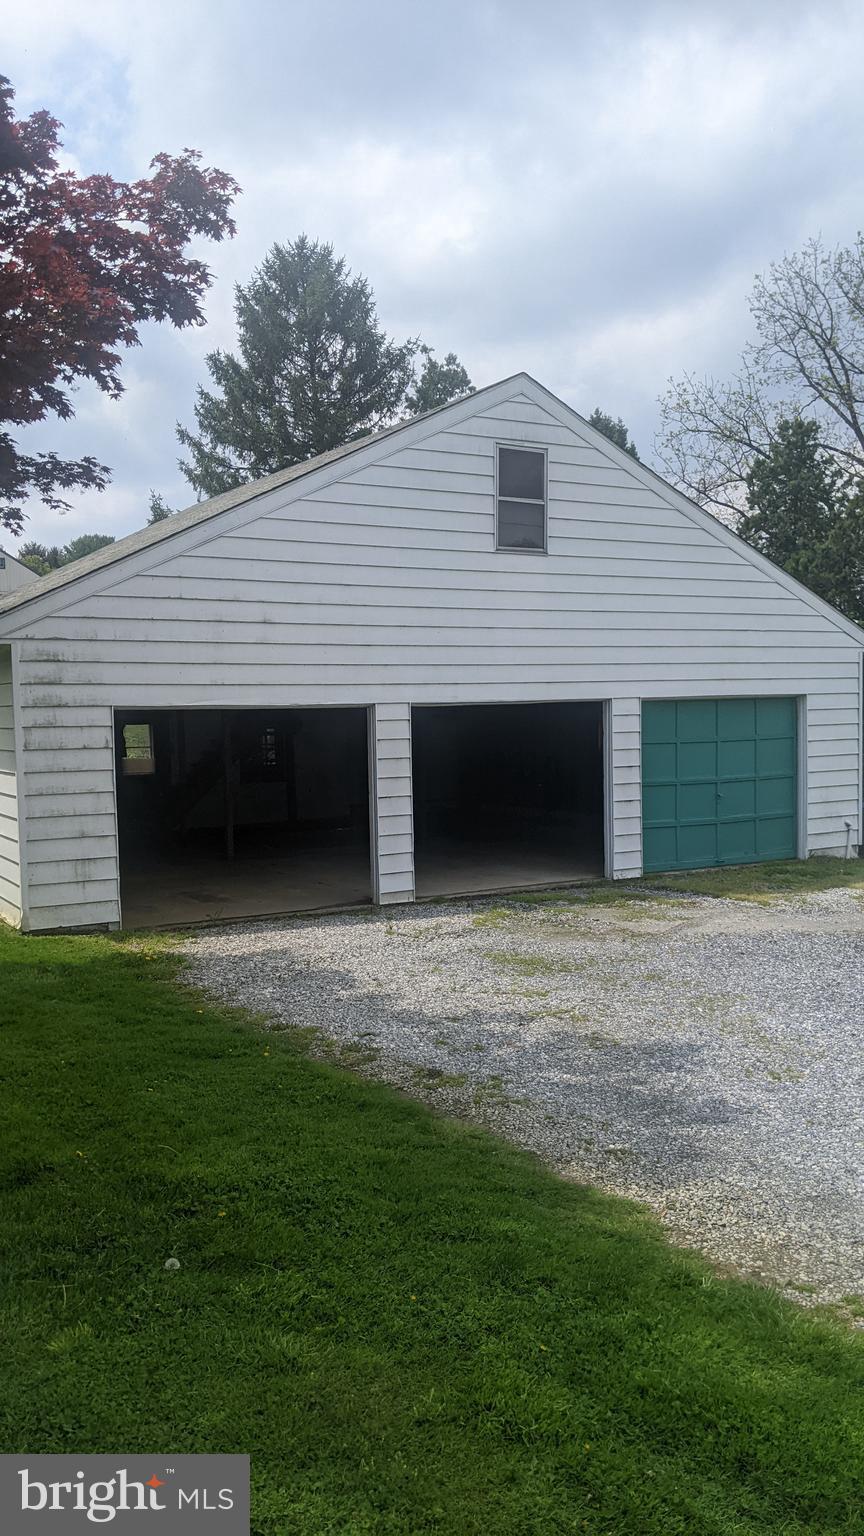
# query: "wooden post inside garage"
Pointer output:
{"type": "Point", "coordinates": [228, 785]}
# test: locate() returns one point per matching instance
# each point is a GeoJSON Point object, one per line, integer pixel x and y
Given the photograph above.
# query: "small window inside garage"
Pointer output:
{"type": "Point", "coordinates": [237, 813]}
{"type": "Point", "coordinates": [137, 754]}
{"type": "Point", "coordinates": [506, 795]}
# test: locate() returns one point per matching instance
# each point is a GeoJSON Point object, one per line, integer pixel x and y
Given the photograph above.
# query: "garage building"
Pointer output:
{"type": "Point", "coordinates": [482, 650]}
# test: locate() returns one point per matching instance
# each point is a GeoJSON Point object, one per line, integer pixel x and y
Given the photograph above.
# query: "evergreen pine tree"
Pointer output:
{"type": "Point", "coordinates": [616, 431]}
{"type": "Point", "coordinates": [159, 509]}
{"type": "Point", "coordinates": [313, 370]}
{"type": "Point", "coordinates": [807, 516]}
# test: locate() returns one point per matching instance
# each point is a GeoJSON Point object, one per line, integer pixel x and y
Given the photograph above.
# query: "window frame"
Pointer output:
{"type": "Point", "coordinates": [522, 447]}
{"type": "Point", "coordinates": [144, 766]}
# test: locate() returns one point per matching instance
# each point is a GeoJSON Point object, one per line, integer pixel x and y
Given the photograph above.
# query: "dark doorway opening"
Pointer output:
{"type": "Point", "coordinates": [506, 795]}
{"type": "Point", "coordinates": [237, 813]}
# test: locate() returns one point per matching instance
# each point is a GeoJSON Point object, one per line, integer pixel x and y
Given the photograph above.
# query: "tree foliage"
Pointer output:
{"type": "Point", "coordinates": [616, 431]}
{"type": "Point", "coordinates": [807, 514]}
{"type": "Point", "coordinates": [807, 360]}
{"type": "Point", "coordinates": [159, 509]}
{"type": "Point", "coordinates": [42, 559]}
{"type": "Point", "coordinates": [437, 383]}
{"type": "Point", "coordinates": [39, 557]}
{"type": "Point", "coordinates": [313, 370]}
{"type": "Point", "coordinates": [85, 260]}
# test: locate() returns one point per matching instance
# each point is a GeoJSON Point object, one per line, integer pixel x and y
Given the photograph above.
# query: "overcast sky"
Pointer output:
{"type": "Point", "coordinates": [578, 190]}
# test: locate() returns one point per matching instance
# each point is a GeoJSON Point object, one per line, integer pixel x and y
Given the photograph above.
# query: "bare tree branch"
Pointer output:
{"type": "Point", "coordinates": [807, 361]}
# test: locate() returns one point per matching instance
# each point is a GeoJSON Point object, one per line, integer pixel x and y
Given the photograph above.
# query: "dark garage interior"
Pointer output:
{"type": "Point", "coordinates": [506, 795]}
{"type": "Point", "coordinates": [237, 813]}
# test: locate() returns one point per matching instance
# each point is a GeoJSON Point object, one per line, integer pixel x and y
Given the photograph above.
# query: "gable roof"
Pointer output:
{"type": "Point", "coordinates": [369, 449]}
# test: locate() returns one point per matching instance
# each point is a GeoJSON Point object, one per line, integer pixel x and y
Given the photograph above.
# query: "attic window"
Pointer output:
{"type": "Point", "coordinates": [521, 498]}
{"type": "Point", "coordinates": [138, 749]}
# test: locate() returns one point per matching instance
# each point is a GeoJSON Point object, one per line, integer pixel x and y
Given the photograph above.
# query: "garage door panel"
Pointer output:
{"type": "Point", "coordinates": [736, 798]}
{"type": "Point", "coordinates": [660, 725]}
{"type": "Point", "coordinates": [736, 720]}
{"type": "Point", "coordinates": [719, 781]}
{"type": "Point", "coordinates": [775, 797]}
{"type": "Point", "coordinates": [697, 720]}
{"type": "Point", "coordinates": [775, 717]}
{"type": "Point", "coordinates": [736, 759]}
{"type": "Point", "coordinates": [775, 755]}
{"type": "Point", "coordinates": [659, 803]}
{"type": "Point", "coordinates": [659, 763]}
{"type": "Point", "coordinates": [697, 845]}
{"type": "Point", "coordinates": [775, 837]}
{"type": "Point", "coordinates": [697, 760]}
{"type": "Point", "coordinates": [660, 847]}
{"type": "Point", "coordinates": [696, 802]}
{"type": "Point", "coordinates": [737, 842]}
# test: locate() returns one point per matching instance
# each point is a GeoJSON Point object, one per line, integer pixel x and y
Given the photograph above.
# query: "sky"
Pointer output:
{"type": "Point", "coordinates": [581, 191]}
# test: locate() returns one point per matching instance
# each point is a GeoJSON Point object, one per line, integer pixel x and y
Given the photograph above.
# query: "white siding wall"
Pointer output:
{"type": "Point", "coordinates": [393, 809]}
{"type": "Point", "coordinates": [383, 588]}
{"type": "Point", "coordinates": [10, 854]}
{"type": "Point", "coordinates": [68, 768]}
{"type": "Point", "coordinates": [13, 574]}
{"type": "Point", "coordinates": [624, 802]}
{"type": "Point", "coordinates": [833, 757]}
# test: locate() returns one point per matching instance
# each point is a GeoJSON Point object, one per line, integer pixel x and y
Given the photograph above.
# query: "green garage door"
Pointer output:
{"type": "Point", "coordinates": [718, 782]}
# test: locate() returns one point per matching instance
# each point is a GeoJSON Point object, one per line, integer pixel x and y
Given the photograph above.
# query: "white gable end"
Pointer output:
{"type": "Point", "coordinates": [389, 575]}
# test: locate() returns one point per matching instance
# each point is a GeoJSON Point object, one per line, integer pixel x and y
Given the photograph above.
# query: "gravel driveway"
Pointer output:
{"type": "Point", "coordinates": [701, 1055]}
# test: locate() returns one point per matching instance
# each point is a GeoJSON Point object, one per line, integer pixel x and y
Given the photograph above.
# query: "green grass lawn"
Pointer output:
{"type": "Point", "coordinates": [408, 1325]}
{"type": "Point", "coordinates": [741, 882]}
{"type": "Point", "coordinates": [754, 882]}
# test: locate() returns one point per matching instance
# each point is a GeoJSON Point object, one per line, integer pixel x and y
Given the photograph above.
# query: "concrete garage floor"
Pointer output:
{"type": "Point", "coordinates": [200, 889]}
{"type": "Point", "coordinates": [204, 890]}
{"type": "Point", "coordinates": [455, 868]}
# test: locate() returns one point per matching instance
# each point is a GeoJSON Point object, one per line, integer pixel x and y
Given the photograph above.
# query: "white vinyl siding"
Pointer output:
{"type": "Point", "coordinates": [393, 803]}
{"type": "Point", "coordinates": [381, 585]}
{"type": "Point", "coordinates": [68, 763]}
{"type": "Point", "coordinates": [10, 850]}
{"type": "Point", "coordinates": [624, 807]}
{"type": "Point", "coordinates": [13, 574]}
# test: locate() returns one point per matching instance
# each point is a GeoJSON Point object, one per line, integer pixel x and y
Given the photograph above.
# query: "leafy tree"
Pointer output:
{"type": "Point", "coordinates": [39, 558]}
{"type": "Point", "coordinates": [615, 431]}
{"type": "Point", "coordinates": [807, 515]}
{"type": "Point", "coordinates": [844, 555]}
{"type": "Point", "coordinates": [313, 370]}
{"type": "Point", "coordinates": [85, 261]}
{"type": "Point", "coordinates": [437, 383]}
{"type": "Point", "coordinates": [159, 509]}
{"type": "Point", "coordinates": [807, 359]}
{"type": "Point", "coordinates": [42, 560]}
{"type": "Point", "coordinates": [86, 544]}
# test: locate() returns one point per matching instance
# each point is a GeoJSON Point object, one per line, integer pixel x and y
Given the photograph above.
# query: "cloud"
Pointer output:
{"type": "Point", "coordinates": [582, 191]}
